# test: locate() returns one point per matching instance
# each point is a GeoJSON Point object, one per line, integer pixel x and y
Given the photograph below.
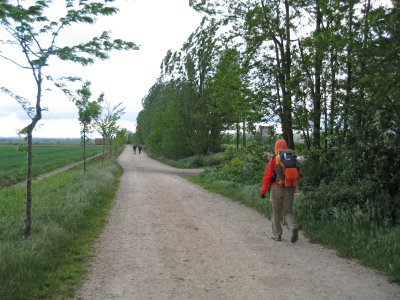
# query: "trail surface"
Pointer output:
{"type": "Point", "coordinates": [169, 239]}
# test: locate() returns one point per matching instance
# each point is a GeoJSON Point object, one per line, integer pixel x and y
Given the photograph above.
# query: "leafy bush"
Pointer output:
{"type": "Point", "coordinates": [243, 166]}
{"type": "Point", "coordinates": [362, 203]}
{"type": "Point", "coordinates": [196, 162]}
{"type": "Point", "coordinates": [364, 176]}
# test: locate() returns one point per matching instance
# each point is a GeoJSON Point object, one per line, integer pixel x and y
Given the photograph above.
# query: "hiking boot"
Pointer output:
{"type": "Point", "coordinates": [295, 235]}
{"type": "Point", "coordinates": [278, 239]}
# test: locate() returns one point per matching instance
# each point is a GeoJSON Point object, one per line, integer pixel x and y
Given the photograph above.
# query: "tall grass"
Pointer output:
{"type": "Point", "coordinates": [375, 247]}
{"type": "Point", "coordinates": [354, 232]}
{"type": "Point", "coordinates": [69, 210]}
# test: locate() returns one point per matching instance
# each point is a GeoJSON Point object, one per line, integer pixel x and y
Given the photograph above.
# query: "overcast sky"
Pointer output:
{"type": "Point", "coordinates": [155, 25]}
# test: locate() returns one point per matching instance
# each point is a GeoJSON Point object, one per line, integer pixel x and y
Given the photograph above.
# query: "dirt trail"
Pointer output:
{"type": "Point", "coordinates": [170, 239]}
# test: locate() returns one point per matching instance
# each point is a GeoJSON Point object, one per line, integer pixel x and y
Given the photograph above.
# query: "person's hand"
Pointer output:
{"type": "Point", "coordinates": [263, 196]}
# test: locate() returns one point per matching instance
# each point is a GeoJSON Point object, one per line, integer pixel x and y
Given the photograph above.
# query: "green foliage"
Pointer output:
{"type": "Point", "coordinates": [68, 218]}
{"type": "Point", "coordinates": [161, 125]}
{"type": "Point", "coordinates": [88, 110]}
{"type": "Point", "coordinates": [120, 141]}
{"type": "Point", "coordinates": [236, 171]}
{"type": "Point", "coordinates": [195, 161]}
{"type": "Point", "coordinates": [239, 166]}
{"type": "Point", "coordinates": [106, 125]}
{"type": "Point", "coordinates": [365, 175]}
{"type": "Point", "coordinates": [362, 203]}
{"type": "Point", "coordinates": [201, 93]}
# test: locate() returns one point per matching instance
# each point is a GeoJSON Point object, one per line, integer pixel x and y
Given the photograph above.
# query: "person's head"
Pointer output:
{"type": "Point", "coordinates": [280, 145]}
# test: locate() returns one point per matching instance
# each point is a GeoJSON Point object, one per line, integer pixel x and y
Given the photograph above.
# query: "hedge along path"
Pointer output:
{"type": "Point", "coordinates": [167, 238]}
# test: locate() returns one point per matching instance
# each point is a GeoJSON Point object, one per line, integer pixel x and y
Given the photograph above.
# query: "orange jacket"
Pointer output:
{"type": "Point", "coordinates": [270, 171]}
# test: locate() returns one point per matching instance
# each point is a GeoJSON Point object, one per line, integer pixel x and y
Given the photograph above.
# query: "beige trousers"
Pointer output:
{"type": "Point", "coordinates": [282, 202]}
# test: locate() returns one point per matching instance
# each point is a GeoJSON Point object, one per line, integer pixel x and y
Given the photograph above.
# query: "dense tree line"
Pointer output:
{"type": "Point", "coordinates": [198, 96]}
{"type": "Point", "coordinates": [309, 65]}
{"type": "Point", "coordinates": [325, 68]}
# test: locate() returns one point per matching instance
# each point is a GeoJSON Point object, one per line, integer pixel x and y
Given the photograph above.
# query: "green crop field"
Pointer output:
{"type": "Point", "coordinates": [46, 157]}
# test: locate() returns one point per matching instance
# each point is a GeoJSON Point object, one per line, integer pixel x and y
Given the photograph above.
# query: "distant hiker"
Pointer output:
{"type": "Point", "coordinates": [140, 148]}
{"type": "Point", "coordinates": [134, 146]}
{"type": "Point", "coordinates": [281, 177]}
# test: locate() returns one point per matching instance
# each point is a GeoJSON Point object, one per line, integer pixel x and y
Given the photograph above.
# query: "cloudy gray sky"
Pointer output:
{"type": "Point", "coordinates": [155, 25]}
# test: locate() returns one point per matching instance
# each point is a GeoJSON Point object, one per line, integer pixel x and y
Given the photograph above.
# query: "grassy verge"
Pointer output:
{"type": "Point", "coordinates": [69, 211]}
{"type": "Point", "coordinates": [247, 194]}
{"type": "Point", "coordinates": [192, 161]}
{"type": "Point", "coordinates": [371, 245]}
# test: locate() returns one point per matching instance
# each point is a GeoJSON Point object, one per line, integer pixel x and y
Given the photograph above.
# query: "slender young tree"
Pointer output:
{"type": "Point", "coordinates": [89, 112]}
{"type": "Point", "coordinates": [31, 31]}
{"type": "Point", "coordinates": [107, 126]}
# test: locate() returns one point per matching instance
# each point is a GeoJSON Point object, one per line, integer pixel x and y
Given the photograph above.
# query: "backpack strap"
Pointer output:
{"type": "Point", "coordinates": [279, 170]}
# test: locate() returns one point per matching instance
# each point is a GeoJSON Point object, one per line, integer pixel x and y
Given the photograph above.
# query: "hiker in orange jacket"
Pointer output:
{"type": "Point", "coordinates": [281, 197]}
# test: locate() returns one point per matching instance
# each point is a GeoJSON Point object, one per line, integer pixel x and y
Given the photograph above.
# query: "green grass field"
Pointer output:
{"type": "Point", "coordinates": [46, 157]}
{"type": "Point", "coordinates": [69, 211]}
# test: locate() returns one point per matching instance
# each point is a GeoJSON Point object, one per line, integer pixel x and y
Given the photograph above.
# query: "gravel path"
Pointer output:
{"type": "Point", "coordinates": [170, 239]}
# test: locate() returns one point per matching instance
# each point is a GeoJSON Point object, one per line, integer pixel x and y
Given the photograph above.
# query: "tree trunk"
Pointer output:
{"type": "Point", "coordinates": [349, 69]}
{"type": "Point", "coordinates": [287, 91]}
{"type": "Point", "coordinates": [84, 148]}
{"type": "Point", "coordinates": [28, 206]}
{"type": "Point", "coordinates": [110, 148]}
{"type": "Point", "coordinates": [363, 71]}
{"type": "Point", "coordinates": [244, 132]}
{"type": "Point", "coordinates": [237, 135]}
{"type": "Point", "coordinates": [317, 85]}
{"type": "Point", "coordinates": [104, 148]}
{"type": "Point", "coordinates": [283, 66]}
{"type": "Point", "coordinates": [333, 91]}
{"type": "Point", "coordinates": [325, 116]}
{"type": "Point", "coordinates": [30, 128]}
